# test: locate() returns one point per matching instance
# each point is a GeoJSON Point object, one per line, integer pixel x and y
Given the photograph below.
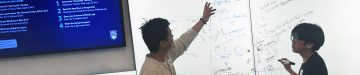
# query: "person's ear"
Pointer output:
{"type": "Point", "coordinates": [162, 44]}
{"type": "Point", "coordinates": [309, 45]}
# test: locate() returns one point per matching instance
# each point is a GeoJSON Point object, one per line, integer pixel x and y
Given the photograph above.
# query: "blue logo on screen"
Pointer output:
{"type": "Point", "coordinates": [113, 34]}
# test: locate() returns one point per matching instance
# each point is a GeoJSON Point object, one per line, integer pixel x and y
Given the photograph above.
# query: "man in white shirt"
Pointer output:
{"type": "Point", "coordinates": [163, 50]}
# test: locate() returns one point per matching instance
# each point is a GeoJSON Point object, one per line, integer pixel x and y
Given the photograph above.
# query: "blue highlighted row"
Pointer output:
{"type": "Point", "coordinates": [4, 44]}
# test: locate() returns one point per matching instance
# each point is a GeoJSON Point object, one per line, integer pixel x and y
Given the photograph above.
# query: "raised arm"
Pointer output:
{"type": "Point", "coordinates": [207, 13]}
{"type": "Point", "coordinates": [182, 43]}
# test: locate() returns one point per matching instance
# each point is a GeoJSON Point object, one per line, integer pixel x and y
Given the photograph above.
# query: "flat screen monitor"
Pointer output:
{"type": "Point", "coordinates": [29, 27]}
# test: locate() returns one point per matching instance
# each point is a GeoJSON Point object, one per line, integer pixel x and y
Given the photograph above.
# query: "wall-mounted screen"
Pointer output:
{"type": "Point", "coordinates": [29, 27]}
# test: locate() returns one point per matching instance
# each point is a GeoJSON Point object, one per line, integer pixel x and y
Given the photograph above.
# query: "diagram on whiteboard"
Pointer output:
{"type": "Point", "coordinates": [244, 37]}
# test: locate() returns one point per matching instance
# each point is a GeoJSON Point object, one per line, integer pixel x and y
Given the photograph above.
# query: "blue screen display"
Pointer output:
{"type": "Point", "coordinates": [29, 27]}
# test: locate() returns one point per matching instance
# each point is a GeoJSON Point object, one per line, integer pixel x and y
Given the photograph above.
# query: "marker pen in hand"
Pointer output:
{"type": "Point", "coordinates": [287, 62]}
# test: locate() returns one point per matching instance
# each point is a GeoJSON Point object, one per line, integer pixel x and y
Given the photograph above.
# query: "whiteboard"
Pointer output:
{"type": "Point", "coordinates": [246, 37]}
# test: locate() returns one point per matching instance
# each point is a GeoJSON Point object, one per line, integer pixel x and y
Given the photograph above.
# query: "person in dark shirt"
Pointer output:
{"type": "Point", "coordinates": [306, 40]}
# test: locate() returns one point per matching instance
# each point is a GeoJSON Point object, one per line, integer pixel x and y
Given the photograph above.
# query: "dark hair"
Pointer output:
{"type": "Point", "coordinates": [309, 33]}
{"type": "Point", "coordinates": [154, 31]}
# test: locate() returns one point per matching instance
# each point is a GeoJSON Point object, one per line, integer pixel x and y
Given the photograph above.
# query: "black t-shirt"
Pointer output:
{"type": "Point", "coordinates": [314, 66]}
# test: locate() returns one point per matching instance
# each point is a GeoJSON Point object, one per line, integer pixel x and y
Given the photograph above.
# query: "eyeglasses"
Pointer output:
{"type": "Point", "coordinates": [293, 38]}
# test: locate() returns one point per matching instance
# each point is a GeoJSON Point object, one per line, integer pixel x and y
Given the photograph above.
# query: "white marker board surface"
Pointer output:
{"type": "Point", "coordinates": [246, 37]}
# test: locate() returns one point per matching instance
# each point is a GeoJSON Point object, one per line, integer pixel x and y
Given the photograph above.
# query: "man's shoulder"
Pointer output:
{"type": "Point", "coordinates": [315, 65]}
{"type": "Point", "coordinates": [317, 59]}
{"type": "Point", "coordinates": [315, 62]}
{"type": "Point", "coordinates": [151, 67]}
{"type": "Point", "coordinates": [149, 62]}
{"type": "Point", "coordinates": [150, 71]}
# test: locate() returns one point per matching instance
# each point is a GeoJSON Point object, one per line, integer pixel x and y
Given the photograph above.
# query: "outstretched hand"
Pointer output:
{"type": "Point", "coordinates": [208, 11]}
{"type": "Point", "coordinates": [287, 66]}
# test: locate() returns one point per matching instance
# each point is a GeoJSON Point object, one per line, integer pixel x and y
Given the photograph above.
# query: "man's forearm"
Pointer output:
{"type": "Point", "coordinates": [198, 26]}
{"type": "Point", "coordinates": [291, 72]}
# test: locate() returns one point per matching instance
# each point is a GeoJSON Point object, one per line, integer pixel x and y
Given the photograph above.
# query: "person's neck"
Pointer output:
{"type": "Point", "coordinates": [159, 56]}
{"type": "Point", "coordinates": [306, 55]}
